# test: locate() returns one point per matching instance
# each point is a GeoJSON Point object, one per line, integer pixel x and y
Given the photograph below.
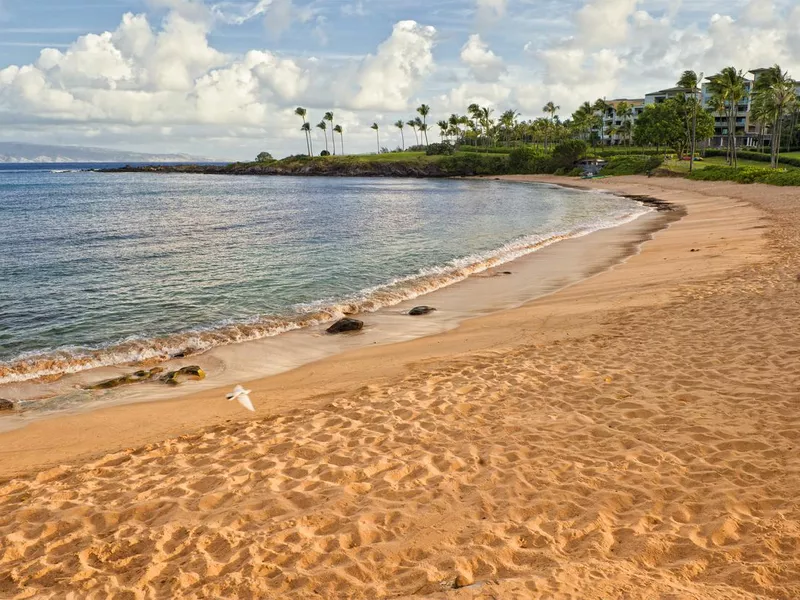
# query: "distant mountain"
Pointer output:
{"type": "Point", "coordinates": [13, 152]}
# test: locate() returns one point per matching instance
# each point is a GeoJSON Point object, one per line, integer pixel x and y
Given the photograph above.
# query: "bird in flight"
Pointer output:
{"type": "Point", "coordinates": [242, 395]}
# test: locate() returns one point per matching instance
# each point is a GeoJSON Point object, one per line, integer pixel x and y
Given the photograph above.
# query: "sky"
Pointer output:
{"type": "Point", "coordinates": [221, 78]}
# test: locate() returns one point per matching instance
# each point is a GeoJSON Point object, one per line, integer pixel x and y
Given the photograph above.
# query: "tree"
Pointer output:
{"type": "Point", "coordinates": [324, 126]}
{"type": "Point", "coordinates": [307, 129]}
{"type": "Point", "coordinates": [474, 112]}
{"type": "Point", "coordinates": [301, 112]}
{"type": "Point", "coordinates": [550, 109]}
{"type": "Point", "coordinates": [729, 86]}
{"type": "Point", "coordinates": [424, 110]}
{"type": "Point", "coordinates": [625, 112]}
{"type": "Point", "coordinates": [664, 124]}
{"type": "Point", "coordinates": [508, 120]}
{"type": "Point", "coordinates": [264, 157]}
{"type": "Point", "coordinates": [444, 128]}
{"type": "Point", "coordinates": [689, 81]}
{"type": "Point", "coordinates": [602, 107]}
{"type": "Point", "coordinates": [329, 117]}
{"type": "Point", "coordinates": [399, 124]}
{"type": "Point", "coordinates": [413, 124]}
{"type": "Point", "coordinates": [338, 129]}
{"type": "Point", "coordinates": [377, 133]}
{"type": "Point", "coordinates": [775, 94]}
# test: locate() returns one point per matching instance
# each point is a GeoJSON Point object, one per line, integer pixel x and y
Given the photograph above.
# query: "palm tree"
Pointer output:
{"type": "Point", "coordinates": [377, 133]}
{"type": "Point", "coordinates": [602, 107]}
{"type": "Point", "coordinates": [413, 124]}
{"type": "Point", "coordinates": [729, 86]}
{"type": "Point", "coordinates": [625, 112]}
{"type": "Point", "coordinates": [424, 110]}
{"type": "Point", "coordinates": [508, 120]}
{"type": "Point", "coordinates": [775, 94]}
{"type": "Point", "coordinates": [455, 122]}
{"type": "Point", "coordinates": [444, 128]}
{"type": "Point", "coordinates": [399, 124]}
{"type": "Point", "coordinates": [301, 112]}
{"type": "Point", "coordinates": [307, 129]}
{"type": "Point", "coordinates": [329, 117]}
{"type": "Point", "coordinates": [324, 126]}
{"type": "Point", "coordinates": [486, 122]}
{"type": "Point", "coordinates": [689, 81]}
{"type": "Point", "coordinates": [475, 115]}
{"type": "Point", "coordinates": [338, 129]}
{"type": "Point", "coordinates": [550, 109]}
{"type": "Point", "coordinates": [423, 131]}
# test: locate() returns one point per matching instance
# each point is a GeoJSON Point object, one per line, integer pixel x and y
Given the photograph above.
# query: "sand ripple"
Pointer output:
{"type": "Point", "coordinates": [603, 467]}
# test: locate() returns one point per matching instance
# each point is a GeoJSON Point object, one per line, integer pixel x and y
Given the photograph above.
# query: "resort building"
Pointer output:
{"type": "Point", "coordinates": [659, 97]}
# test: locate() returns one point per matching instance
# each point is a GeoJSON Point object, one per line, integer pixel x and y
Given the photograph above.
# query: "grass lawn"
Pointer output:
{"type": "Point", "coordinates": [682, 166]}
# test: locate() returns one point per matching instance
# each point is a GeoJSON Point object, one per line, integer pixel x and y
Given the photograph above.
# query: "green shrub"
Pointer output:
{"type": "Point", "coordinates": [566, 154]}
{"type": "Point", "coordinates": [529, 161]}
{"type": "Point", "coordinates": [607, 152]}
{"type": "Point", "coordinates": [474, 164]}
{"type": "Point", "coordinates": [443, 149]}
{"type": "Point", "coordinates": [631, 165]}
{"type": "Point", "coordinates": [485, 149]}
{"type": "Point", "coordinates": [747, 175]}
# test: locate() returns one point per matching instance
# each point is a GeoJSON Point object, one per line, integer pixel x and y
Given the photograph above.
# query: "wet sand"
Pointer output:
{"type": "Point", "coordinates": [633, 435]}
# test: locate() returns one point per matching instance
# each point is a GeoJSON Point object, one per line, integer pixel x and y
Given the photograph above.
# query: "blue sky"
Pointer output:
{"type": "Point", "coordinates": [223, 77]}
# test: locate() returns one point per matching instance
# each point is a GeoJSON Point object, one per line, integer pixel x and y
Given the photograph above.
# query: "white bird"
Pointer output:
{"type": "Point", "coordinates": [241, 394]}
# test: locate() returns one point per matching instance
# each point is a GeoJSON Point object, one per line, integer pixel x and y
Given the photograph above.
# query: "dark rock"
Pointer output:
{"type": "Point", "coordinates": [184, 353]}
{"type": "Point", "coordinates": [192, 373]}
{"type": "Point", "coordinates": [127, 379]}
{"type": "Point", "coordinates": [421, 310]}
{"type": "Point", "coordinates": [506, 272]}
{"type": "Point", "coordinates": [343, 325]}
{"type": "Point", "coordinates": [6, 405]}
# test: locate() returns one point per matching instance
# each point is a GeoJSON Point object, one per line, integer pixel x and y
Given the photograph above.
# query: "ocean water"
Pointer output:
{"type": "Point", "coordinates": [99, 269]}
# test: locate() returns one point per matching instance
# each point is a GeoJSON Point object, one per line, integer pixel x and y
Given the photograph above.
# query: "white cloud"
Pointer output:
{"type": "Point", "coordinates": [491, 9]}
{"type": "Point", "coordinates": [236, 14]}
{"type": "Point", "coordinates": [485, 65]}
{"type": "Point", "coordinates": [604, 23]}
{"type": "Point", "coordinates": [388, 79]}
{"type": "Point", "coordinates": [160, 71]}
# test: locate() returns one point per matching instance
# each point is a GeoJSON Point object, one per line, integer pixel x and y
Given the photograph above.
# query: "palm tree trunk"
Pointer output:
{"type": "Point", "coordinates": [378, 137]}
{"type": "Point", "coordinates": [775, 136]}
{"type": "Point", "coordinates": [403, 137]}
{"type": "Point", "coordinates": [341, 142]}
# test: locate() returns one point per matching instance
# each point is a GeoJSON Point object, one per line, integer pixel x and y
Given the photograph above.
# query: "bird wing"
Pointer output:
{"type": "Point", "coordinates": [244, 400]}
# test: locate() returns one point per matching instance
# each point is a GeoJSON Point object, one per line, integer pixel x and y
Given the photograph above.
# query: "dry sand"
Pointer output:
{"type": "Point", "coordinates": [634, 436]}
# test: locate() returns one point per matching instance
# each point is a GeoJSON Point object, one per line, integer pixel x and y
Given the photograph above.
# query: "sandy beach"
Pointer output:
{"type": "Point", "coordinates": [634, 435]}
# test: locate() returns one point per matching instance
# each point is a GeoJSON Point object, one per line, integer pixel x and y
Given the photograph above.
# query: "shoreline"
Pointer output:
{"type": "Point", "coordinates": [573, 258]}
{"type": "Point", "coordinates": [635, 431]}
{"type": "Point", "coordinates": [136, 426]}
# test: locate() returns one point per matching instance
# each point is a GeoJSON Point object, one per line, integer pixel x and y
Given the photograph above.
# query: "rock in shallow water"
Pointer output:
{"type": "Point", "coordinates": [192, 373]}
{"type": "Point", "coordinates": [343, 325]}
{"type": "Point", "coordinates": [421, 310]}
{"type": "Point", "coordinates": [6, 405]}
{"type": "Point", "coordinates": [127, 379]}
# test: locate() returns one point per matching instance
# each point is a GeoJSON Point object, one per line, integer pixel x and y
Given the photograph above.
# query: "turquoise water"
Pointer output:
{"type": "Point", "coordinates": [99, 269]}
